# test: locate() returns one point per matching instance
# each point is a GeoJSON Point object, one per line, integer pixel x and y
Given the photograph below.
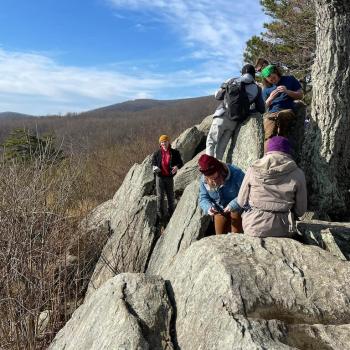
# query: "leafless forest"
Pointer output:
{"type": "Point", "coordinates": [109, 140]}
{"type": "Point", "coordinates": [46, 257]}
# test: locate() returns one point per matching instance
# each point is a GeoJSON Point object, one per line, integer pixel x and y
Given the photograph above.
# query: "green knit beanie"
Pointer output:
{"type": "Point", "coordinates": [267, 71]}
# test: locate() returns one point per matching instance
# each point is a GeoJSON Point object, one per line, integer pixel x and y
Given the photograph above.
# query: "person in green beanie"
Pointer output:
{"type": "Point", "coordinates": [279, 94]}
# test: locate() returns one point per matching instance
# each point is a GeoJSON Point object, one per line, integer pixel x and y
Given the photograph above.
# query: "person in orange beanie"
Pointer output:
{"type": "Point", "coordinates": [165, 161]}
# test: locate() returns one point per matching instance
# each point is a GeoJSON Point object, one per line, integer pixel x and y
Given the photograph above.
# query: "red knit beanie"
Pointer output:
{"type": "Point", "coordinates": [209, 165]}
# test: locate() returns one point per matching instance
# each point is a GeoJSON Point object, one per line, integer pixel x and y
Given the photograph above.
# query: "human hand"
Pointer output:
{"type": "Point", "coordinates": [174, 170]}
{"type": "Point", "coordinates": [212, 211]}
{"type": "Point", "coordinates": [281, 89]}
{"type": "Point", "coordinates": [228, 209]}
{"type": "Point", "coordinates": [156, 170]}
{"type": "Point", "coordinates": [274, 94]}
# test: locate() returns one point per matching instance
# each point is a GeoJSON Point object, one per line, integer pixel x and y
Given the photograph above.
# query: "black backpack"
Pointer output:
{"type": "Point", "coordinates": [236, 101]}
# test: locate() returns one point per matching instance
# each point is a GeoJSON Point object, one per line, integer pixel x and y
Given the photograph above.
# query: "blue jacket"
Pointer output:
{"type": "Point", "coordinates": [282, 101]}
{"type": "Point", "coordinates": [225, 195]}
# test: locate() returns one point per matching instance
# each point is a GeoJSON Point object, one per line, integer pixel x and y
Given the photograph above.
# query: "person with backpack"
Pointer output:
{"type": "Point", "coordinates": [237, 96]}
{"type": "Point", "coordinates": [279, 94]}
{"type": "Point", "coordinates": [218, 190]}
{"type": "Point", "coordinates": [272, 192]}
{"type": "Point", "coordinates": [165, 162]}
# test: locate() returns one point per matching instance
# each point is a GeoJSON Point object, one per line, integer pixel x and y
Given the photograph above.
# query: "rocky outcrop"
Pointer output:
{"type": "Point", "coordinates": [100, 217]}
{"type": "Point", "coordinates": [186, 226]}
{"type": "Point", "coordinates": [227, 292]}
{"type": "Point", "coordinates": [130, 217]}
{"type": "Point", "coordinates": [130, 311]}
{"type": "Point", "coordinates": [192, 140]}
{"type": "Point", "coordinates": [331, 236]}
{"type": "Point", "coordinates": [205, 125]}
{"type": "Point", "coordinates": [241, 292]}
{"type": "Point", "coordinates": [246, 145]}
{"type": "Point", "coordinates": [189, 143]}
{"type": "Point", "coordinates": [129, 248]}
{"type": "Point", "coordinates": [187, 174]}
{"type": "Point", "coordinates": [132, 220]}
{"type": "Point", "coordinates": [222, 292]}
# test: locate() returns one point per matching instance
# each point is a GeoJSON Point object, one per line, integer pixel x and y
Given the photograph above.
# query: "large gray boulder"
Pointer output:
{"type": "Point", "coordinates": [130, 247]}
{"type": "Point", "coordinates": [247, 143]}
{"type": "Point", "coordinates": [331, 236]}
{"type": "Point", "coordinates": [187, 174]}
{"type": "Point", "coordinates": [205, 125]}
{"type": "Point", "coordinates": [192, 141]}
{"type": "Point", "coordinates": [100, 217]}
{"type": "Point", "coordinates": [186, 226]}
{"type": "Point", "coordinates": [189, 143]}
{"type": "Point", "coordinates": [130, 311]}
{"type": "Point", "coordinates": [132, 219]}
{"type": "Point", "coordinates": [241, 292]}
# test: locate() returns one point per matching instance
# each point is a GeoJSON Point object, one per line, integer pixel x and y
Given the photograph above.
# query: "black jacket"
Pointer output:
{"type": "Point", "coordinates": [175, 160]}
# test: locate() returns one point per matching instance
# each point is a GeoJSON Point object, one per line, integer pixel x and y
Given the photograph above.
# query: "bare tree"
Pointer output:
{"type": "Point", "coordinates": [327, 147]}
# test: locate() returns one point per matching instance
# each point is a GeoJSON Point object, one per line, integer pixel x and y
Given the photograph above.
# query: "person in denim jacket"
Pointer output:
{"type": "Point", "coordinates": [219, 187]}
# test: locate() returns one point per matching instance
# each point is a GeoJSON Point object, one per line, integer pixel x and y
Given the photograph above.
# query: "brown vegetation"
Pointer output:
{"type": "Point", "coordinates": [46, 255]}
{"type": "Point", "coordinates": [108, 141]}
{"type": "Point", "coordinates": [36, 231]}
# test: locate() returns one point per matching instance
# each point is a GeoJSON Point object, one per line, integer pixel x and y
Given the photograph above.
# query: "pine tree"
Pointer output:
{"type": "Point", "coordinates": [24, 146]}
{"type": "Point", "coordinates": [289, 39]}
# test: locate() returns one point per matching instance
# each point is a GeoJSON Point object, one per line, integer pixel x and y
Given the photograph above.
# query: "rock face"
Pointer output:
{"type": "Point", "coordinates": [247, 143]}
{"type": "Point", "coordinates": [131, 311]}
{"type": "Point", "coordinates": [221, 292]}
{"type": "Point", "coordinates": [205, 125]}
{"type": "Point", "coordinates": [132, 219]}
{"type": "Point", "coordinates": [189, 143]}
{"type": "Point", "coordinates": [240, 292]}
{"type": "Point", "coordinates": [187, 174]}
{"type": "Point", "coordinates": [131, 214]}
{"type": "Point", "coordinates": [331, 236]}
{"type": "Point", "coordinates": [186, 226]}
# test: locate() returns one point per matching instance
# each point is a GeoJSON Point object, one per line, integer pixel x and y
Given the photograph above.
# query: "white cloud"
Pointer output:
{"type": "Point", "coordinates": [214, 33]}
{"type": "Point", "coordinates": [37, 84]}
{"type": "Point", "coordinates": [217, 28]}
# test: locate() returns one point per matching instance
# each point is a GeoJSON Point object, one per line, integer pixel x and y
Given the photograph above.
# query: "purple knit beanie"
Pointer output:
{"type": "Point", "coordinates": [280, 144]}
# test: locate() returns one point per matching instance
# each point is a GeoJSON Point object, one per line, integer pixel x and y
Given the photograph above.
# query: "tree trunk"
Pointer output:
{"type": "Point", "coordinates": [327, 145]}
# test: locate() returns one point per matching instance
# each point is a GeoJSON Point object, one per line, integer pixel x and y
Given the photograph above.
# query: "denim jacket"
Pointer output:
{"type": "Point", "coordinates": [225, 195]}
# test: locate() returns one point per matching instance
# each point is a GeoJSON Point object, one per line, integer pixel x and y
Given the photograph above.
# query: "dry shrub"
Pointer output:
{"type": "Point", "coordinates": [46, 256]}
{"type": "Point", "coordinates": [38, 277]}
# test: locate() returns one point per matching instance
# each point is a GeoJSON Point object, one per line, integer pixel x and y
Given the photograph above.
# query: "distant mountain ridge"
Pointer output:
{"type": "Point", "coordinates": [14, 115]}
{"type": "Point", "coordinates": [126, 106]}
{"type": "Point", "coordinates": [115, 122]}
{"type": "Point", "coordinates": [144, 104]}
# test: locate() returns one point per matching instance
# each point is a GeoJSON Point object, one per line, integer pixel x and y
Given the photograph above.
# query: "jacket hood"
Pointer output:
{"type": "Point", "coordinates": [273, 166]}
{"type": "Point", "coordinates": [247, 78]}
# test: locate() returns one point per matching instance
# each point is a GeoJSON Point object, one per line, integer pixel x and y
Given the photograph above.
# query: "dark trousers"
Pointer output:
{"type": "Point", "coordinates": [165, 186]}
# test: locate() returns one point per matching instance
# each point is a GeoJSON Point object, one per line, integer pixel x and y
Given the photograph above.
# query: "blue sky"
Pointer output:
{"type": "Point", "coordinates": [59, 56]}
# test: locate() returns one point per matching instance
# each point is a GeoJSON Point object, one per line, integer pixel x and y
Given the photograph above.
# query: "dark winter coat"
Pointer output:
{"type": "Point", "coordinates": [175, 160]}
